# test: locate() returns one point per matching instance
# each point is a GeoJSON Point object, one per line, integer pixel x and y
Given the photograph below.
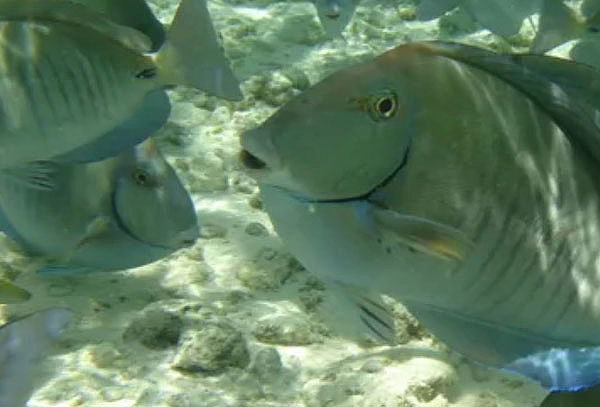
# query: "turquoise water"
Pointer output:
{"type": "Point", "coordinates": [235, 321]}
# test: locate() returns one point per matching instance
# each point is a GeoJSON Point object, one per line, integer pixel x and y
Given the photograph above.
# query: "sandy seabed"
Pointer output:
{"type": "Point", "coordinates": [235, 321]}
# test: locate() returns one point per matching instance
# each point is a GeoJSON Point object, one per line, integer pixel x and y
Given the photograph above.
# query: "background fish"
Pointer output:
{"type": "Point", "coordinates": [480, 216]}
{"type": "Point", "coordinates": [22, 344]}
{"type": "Point", "coordinates": [502, 17]}
{"type": "Point", "coordinates": [62, 100]}
{"type": "Point", "coordinates": [335, 15]}
{"type": "Point", "coordinates": [119, 213]}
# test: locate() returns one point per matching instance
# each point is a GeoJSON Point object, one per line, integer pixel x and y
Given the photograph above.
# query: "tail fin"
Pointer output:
{"type": "Point", "coordinates": [23, 343]}
{"type": "Point", "coordinates": [192, 55]}
{"type": "Point", "coordinates": [558, 24]}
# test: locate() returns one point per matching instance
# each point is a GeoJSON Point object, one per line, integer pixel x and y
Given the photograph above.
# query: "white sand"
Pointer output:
{"type": "Point", "coordinates": [238, 288]}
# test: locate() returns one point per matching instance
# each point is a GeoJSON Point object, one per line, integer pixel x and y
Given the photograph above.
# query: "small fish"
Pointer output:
{"type": "Point", "coordinates": [559, 23]}
{"type": "Point", "coordinates": [115, 214]}
{"type": "Point", "coordinates": [73, 75]}
{"type": "Point", "coordinates": [459, 181]}
{"type": "Point", "coordinates": [23, 343]}
{"type": "Point", "coordinates": [131, 13]}
{"type": "Point", "coordinates": [502, 17]}
{"type": "Point", "coordinates": [335, 15]}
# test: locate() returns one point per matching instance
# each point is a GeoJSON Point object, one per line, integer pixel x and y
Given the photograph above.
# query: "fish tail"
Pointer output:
{"type": "Point", "coordinates": [192, 55]}
{"type": "Point", "coordinates": [558, 24]}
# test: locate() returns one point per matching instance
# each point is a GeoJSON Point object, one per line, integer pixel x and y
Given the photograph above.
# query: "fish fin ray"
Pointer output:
{"type": "Point", "coordinates": [423, 235]}
{"type": "Point", "coordinates": [36, 175]}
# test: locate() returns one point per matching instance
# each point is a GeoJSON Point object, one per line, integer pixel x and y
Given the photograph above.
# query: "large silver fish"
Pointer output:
{"type": "Point", "coordinates": [459, 181]}
{"type": "Point", "coordinates": [115, 214]}
{"type": "Point", "coordinates": [69, 75]}
{"type": "Point", "coordinates": [23, 343]}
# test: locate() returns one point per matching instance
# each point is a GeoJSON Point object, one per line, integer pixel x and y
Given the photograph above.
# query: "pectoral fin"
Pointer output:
{"type": "Point", "coordinates": [423, 235]}
{"type": "Point", "coordinates": [37, 175]}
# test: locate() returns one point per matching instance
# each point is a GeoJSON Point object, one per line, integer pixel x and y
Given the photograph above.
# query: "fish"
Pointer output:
{"type": "Point", "coordinates": [60, 100]}
{"type": "Point", "coordinates": [460, 182]}
{"type": "Point", "coordinates": [559, 23]}
{"type": "Point", "coordinates": [131, 13]}
{"type": "Point", "coordinates": [335, 15]}
{"type": "Point", "coordinates": [23, 343]}
{"type": "Point", "coordinates": [502, 17]}
{"type": "Point", "coordinates": [115, 214]}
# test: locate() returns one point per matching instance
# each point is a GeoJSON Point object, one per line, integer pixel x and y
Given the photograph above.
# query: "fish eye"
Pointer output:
{"type": "Point", "coordinates": [384, 106]}
{"type": "Point", "coordinates": [146, 73]}
{"type": "Point", "coordinates": [141, 177]}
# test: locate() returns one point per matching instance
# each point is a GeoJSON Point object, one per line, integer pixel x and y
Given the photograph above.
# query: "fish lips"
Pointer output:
{"type": "Point", "coordinates": [258, 153]}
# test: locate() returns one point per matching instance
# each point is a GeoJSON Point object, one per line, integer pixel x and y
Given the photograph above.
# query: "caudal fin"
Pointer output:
{"type": "Point", "coordinates": [192, 55]}
{"type": "Point", "coordinates": [558, 24]}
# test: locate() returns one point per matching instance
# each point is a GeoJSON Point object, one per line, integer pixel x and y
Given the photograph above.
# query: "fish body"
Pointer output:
{"type": "Point", "coordinates": [70, 75]}
{"type": "Point", "coordinates": [460, 182]}
{"type": "Point", "coordinates": [502, 17]}
{"type": "Point", "coordinates": [131, 13]}
{"type": "Point", "coordinates": [114, 214]}
{"type": "Point", "coordinates": [23, 343]}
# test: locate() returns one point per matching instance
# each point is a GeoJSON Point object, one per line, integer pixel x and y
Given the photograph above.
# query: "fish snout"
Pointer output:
{"type": "Point", "coordinates": [187, 238]}
{"type": "Point", "coordinates": [258, 153]}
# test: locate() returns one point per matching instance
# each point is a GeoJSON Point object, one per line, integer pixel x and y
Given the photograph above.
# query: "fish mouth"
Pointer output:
{"type": "Point", "coordinates": [250, 161]}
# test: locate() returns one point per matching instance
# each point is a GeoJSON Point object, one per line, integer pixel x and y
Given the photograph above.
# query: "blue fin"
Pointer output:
{"type": "Point", "coordinates": [555, 365]}
{"type": "Point", "coordinates": [37, 175]}
{"type": "Point", "coordinates": [424, 235]}
{"type": "Point", "coordinates": [150, 117]}
{"type": "Point", "coordinates": [65, 270]}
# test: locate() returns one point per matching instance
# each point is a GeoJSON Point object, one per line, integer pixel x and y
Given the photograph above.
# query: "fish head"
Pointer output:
{"type": "Point", "coordinates": [339, 139]}
{"type": "Point", "coordinates": [150, 202]}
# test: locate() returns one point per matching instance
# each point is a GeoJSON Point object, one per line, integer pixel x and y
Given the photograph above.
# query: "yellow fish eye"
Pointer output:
{"type": "Point", "coordinates": [383, 106]}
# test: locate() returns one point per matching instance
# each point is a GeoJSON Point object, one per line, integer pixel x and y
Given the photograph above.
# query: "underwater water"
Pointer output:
{"type": "Point", "coordinates": [235, 320]}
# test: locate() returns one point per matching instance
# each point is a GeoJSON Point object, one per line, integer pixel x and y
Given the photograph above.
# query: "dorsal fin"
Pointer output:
{"type": "Point", "coordinates": [567, 91]}
{"type": "Point", "coordinates": [65, 11]}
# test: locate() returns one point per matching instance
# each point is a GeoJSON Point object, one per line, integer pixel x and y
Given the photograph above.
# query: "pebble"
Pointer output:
{"type": "Point", "coordinates": [210, 348]}
{"type": "Point", "coordinates": [156, 329]}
